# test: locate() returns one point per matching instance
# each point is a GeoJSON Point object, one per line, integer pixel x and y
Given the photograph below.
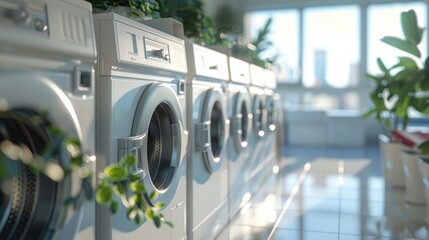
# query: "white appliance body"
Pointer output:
{"type": "Point", "coordinates": [141, 110]}
{"type": "Point", "coordinates": [279, 129]}
{"type": "Point", "coordinates": [239, 113]}
{"type": "Point", "coordinates": [271, 105]}
{"type": "Point", "coordinates": [207, 208]}
{"type": "Point", "coordinates": [271, 152]}
{"type": "Point", "coordinates": [47, 53]}
{"type": "Point", "coordinates": [257, 160]}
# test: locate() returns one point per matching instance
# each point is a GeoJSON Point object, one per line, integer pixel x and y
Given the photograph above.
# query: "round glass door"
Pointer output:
{"type": "Point", "coordinates": [27, 200]}
{"type": "Point", "coordinates": [240, 126]}
{"type": "Point", "coordinates": [258, 116]}
{"type": "Point", "coordinates": [160, 149]}
{"type": "Point", "coordinates": [214, 126]}
{"type": "Point", "coordinates": [158, 124]}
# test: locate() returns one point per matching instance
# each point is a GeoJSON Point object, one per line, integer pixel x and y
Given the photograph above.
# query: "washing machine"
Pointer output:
{"type": "Point", "coordinates": [257, 160]}
{"type": "Point", "coordinates": [240, 115]}
{"type": "Point", "coordinates": [207, 198]}
{"type": "Point", "coordinates": [279, 131]}
{"type": "Point", "coordinates": [270, 127]}
{"type": "Point", "coordinates": [274, 125]}
{"type": "Point", "coordinates": [47, 57]}
{"type": "Point", "coordinates": [141, 111]}
{"type": "Point", "coordinates": [268, 156]}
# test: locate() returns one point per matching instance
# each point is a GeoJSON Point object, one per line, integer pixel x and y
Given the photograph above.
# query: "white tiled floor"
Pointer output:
{"type": "Point", "coordinates": [329, 193]}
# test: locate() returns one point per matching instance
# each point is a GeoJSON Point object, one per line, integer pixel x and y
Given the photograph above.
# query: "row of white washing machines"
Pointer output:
{"type": "Point", "coordinates": [202, 125]}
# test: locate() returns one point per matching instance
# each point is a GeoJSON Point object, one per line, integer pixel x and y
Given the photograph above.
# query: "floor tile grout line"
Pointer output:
{"type": "Point", "coordinates": [341, 168]}
{"type": "Point", "coordinates": [295, 189]}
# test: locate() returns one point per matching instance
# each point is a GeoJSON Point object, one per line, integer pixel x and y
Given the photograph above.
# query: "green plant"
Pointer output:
{"type": "Point", "coordinates": [138, 7]}
{"type": "Point", "coordinates": [401, 83]}
{"type": "Point", "coordinates": [118, 185]}
{"type": "Point", "coordinates": [196, 24]}
{"type": "Point", "coordinates": [259, 45]}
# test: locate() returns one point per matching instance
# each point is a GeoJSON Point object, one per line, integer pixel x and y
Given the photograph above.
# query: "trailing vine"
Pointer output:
{"type": "Point", "coordinates": [118, 185]}
{"type": "Point", "coordinates": [49, 161]}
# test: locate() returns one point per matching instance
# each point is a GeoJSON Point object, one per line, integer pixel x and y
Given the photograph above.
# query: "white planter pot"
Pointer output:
{"type": "Point", "coordinates": [391, 162]}
{"type": "Point", "coordinates": [424, 171]}
{"type": "Point", "coordinates": [414, 189]}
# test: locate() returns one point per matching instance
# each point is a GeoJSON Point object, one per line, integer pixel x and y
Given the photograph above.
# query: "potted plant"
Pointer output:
{"type": "Point", "coordinates": [397, 91]}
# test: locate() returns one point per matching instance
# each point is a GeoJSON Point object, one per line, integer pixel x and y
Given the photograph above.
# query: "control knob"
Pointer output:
{"type": "Point", "coordinates": [40, 25]}
{"type": "Point", "coordinates": [21, 15]}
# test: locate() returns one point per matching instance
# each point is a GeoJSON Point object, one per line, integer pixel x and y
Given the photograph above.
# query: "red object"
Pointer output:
{"type": "Point", "coordinates": [411, 139]}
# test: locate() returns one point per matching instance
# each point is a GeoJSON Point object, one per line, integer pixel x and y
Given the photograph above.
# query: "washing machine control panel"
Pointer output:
{"type": "Point", "coordinates": [143, 46]}
{"type": "Point", "coordinates": [210, 63]}
{"type": "Point", "coordinates": [26, 15]}
{"type": "Point", "coordinates": [239, 71]}
{"type": "Point", "coordinates": [257, 76]}
{"type": "Point", "coordinates": [48, 29]}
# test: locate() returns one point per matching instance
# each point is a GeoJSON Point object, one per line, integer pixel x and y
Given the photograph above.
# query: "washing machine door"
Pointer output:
{"type": "Point", "coordinates": [240, 127]}
{"type": "Point", "coordinates": [271, 113]}
{"type": "Point", "coordinates": [258, 110]}
{"type": "Point", "coordinates": [211, 133]}
{"type": "Point", "coordinates": [158, 140]}
{"type": "Point", "coordinates": [279, 132]}
{"type": "Point", "coordinates": [32, 206]}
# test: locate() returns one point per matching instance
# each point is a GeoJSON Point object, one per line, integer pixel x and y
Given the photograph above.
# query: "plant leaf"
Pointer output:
{"type": "Point", "coordinates": [381, 65]}
{"type": "Point", "coordinates": [402, 108]}
{"type": "Point", "coordinates": [374, 78]}
{"type": "Point", "coordinates": [168, 223]}
{"type": "Point", "coordinates": [138, 217]}
{"type": "Point", "coordinates": [120, 189]}
{"type": "Point", "coordinates": [408, 63]}
{"type": "Point", "coordinates": [402, 45]}
{"type": "Point", "coordinates": [153, 195]}
{"type": "Point", "coordinates": [411, 30]}
{"type": "Point", "coordinates": [369, 113]}
{"type": "Point", "coordinates": [157, 221]}
{"type": "Point", "coordinates": [424, 147]}
{"type": "Point", "coordinates": [103, 194]}
{"type": "Point", "coordinates": [116, 173]}
{"type": "Point", "coordinates": [138, 199]}
{"type": "Point", "coordinates": [406, 121]}
{"type": "Point", "coordinates": [138, 187]}
{"type": "Point", "coordinates": [159, 205]}
{"type": "Point", "coordinates": [426, 69]}
{"type": "Point", "coordinates": [128, 161]}
{"type": "Point", "coordinates": [149, 214]}
{"type": "Point", "coordinates": [114, 207]}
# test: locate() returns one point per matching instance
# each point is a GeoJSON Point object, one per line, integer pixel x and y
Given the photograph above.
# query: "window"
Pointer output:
{"type": "Point", "coordinates": [320, 47]}
{"type": "Point", "coordinates": [284, 37]}
{"type": "Point", "coordinates": [331, 46]}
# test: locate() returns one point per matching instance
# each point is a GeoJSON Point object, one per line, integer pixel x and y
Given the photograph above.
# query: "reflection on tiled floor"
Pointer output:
{"type": "Point", "coordinates": [329, 193]}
